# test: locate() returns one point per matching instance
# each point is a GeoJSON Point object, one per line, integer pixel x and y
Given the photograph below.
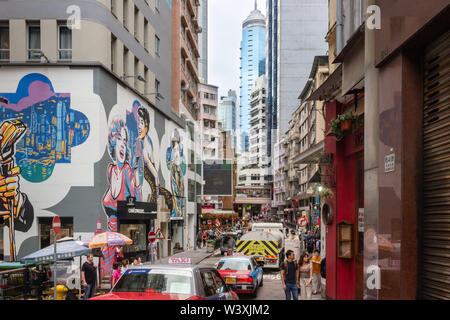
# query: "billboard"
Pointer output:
{"type": "Point", "coordinates": [218, 176]}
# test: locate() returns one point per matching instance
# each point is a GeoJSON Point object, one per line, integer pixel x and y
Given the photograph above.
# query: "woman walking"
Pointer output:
{"type": "Point", "coordinates": [116, 273]}
{"type": "Point", "coordinates": [306, 274]}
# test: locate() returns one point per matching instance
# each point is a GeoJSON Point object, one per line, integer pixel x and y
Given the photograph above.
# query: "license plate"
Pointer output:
{"type": "Point", "coordinates": [229, 280]}
{"type": "Point", "coordinates": [259, 259]}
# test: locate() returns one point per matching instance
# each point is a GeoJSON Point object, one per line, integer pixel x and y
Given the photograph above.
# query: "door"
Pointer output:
{"type": "Point", "coordinates": [435, 220]}
{"type": "Point", "coordinates": [212, 287]}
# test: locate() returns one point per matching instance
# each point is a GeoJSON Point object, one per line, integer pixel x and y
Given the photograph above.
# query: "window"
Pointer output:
{"type": "Point", "coordinates": [125, 14]}
{"type": "Point", "coordinates": [34, 41]}
{"type": "Point", "coordinates": [209, 284]}
{"type": "Point", "coordinates": [146, 34]}
{"type": "Point", "coordinates": [191, 190]}
{"type": "Point", "coordinates": [65, 43]}
{"type": "Point", "coordinates": [136, 22]}
{"type": "Point", "coordinates": [113, 55]}
{"type": "Point", "coordinates": [205, 109]}
{"type": "Point", "coordinates": [45, 230]}
{"type": "Point", "coordinates": [125, 62]}
{"type": "Point", "coordinates": [4, 43]}
{"type": "Point", "coordinates": [157, 41]}
{"type": "Point", "coordinates": [157, 84]}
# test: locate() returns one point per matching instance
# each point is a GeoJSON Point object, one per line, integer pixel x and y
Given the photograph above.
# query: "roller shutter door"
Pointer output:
{"type": "Point", "coordinates": [435, 269]}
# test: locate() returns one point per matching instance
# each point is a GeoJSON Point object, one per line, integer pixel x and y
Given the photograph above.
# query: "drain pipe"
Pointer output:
{"type": "Point", "coordinates": [339, 27]}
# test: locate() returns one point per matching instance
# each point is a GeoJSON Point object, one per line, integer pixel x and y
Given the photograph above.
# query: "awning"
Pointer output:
{"type": "Point", "coordinates": [328, 88]}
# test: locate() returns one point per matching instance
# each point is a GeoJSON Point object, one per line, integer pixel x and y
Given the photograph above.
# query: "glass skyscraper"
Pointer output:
{"type": "Point", "coordinates": [272, 72]}
{"type": "Point", "coordinates": [253, 65]}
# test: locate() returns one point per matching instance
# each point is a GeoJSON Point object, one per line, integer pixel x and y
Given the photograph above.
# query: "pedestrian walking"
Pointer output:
{"type": "Point", "coordinates": [119, 254]}
{"type": "Point", "coordinates": [153, 249]}
{"type": "Point", "coordinates": [204, 238]}
{"type": "Point", "coordinates": [199, 239]}
{"type": "Point", "coordinates": [316, 262]}
{"type": "Point", "coordinates": [116, 273]}
{"type": "Point", "coordinates": [305, 272]}
{"type": "Point", "coordinates": [289, 276]}
{"type": "Point", "coordinates": [125, 263]}
{"type": "Point", "coordinates": [89, 277]}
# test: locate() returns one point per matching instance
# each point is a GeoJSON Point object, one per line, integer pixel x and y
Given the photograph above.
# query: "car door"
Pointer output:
{"type": "Point", "coordinates": [222, 289]}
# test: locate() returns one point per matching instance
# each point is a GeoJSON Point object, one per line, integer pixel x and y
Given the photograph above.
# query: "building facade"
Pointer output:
{"type": "Point", "coordinates": [298, 30]}
{"type": "Point", "coordinates": [386, 176]}
{"type": "Point", "coordinates": [253, 52]}
{"type": "Point", "coordinates": [203, 41]}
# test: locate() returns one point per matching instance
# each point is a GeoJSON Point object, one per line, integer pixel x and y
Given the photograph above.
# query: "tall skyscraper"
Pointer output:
{"type": "Point", "coordinates": [203, 41]}
{"type": "Point", "coordinates": [253, 65]}
{"type": "Point", "coordinates": [295, 35]}
{"type": "Point", "coordinates": [227, 114]}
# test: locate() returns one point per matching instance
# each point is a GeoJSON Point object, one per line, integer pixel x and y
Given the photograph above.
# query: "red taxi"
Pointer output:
{"type": "Point", "coordinates": [242, 273]}
{"type": "Point", "coordinates": [170, 282]}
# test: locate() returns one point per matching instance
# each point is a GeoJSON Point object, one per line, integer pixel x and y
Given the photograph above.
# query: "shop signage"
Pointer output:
{"type": "Point", "coordinates": [159, 234]}
{"type": "Point", "coordinates": [151, 236]}
{"type": "Point", "coordinates": [132, 209]}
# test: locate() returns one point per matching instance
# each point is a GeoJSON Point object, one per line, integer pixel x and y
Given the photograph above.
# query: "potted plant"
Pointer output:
{"type": "Point", "coordinates": [341, 125]}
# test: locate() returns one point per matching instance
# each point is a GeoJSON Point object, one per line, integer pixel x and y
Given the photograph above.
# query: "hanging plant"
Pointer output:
{"type": "Point", "coordinates": [340, 126]}
{"type": "Point", "coordinates": [326, 193]}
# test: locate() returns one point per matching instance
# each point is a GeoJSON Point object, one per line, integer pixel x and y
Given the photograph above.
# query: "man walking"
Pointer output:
{"type": "Point", "coordinates": [199, 239]}
{"type": "Point", "coordinates": [289, 276]}
{"type": "Point", "coordinates": [89, 277]}
{"type": "Point", "coordinates": [316, 260]}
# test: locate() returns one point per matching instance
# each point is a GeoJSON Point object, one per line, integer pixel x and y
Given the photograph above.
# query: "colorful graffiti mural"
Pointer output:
{"type": "Point", "coordinates": [133, 171]}
{"type": "Point", "coordinates": [15, 209]}
{"type": "Point", "coordinates": [53, 127]}
{"type": "Point", "coordinates": [176, 164]}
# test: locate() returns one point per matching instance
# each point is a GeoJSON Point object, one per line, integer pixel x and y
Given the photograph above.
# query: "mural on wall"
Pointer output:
{"type": "Point", "coordinates": [16, 210]}
{"type": "Point", "coordinates": [38, 130]}
{"type": "Point", "coordinates": [53, 127]}
{"type": "Point", "coordinates": [133, 171]}
{"type": "Point", "coordinates": [176, 164]}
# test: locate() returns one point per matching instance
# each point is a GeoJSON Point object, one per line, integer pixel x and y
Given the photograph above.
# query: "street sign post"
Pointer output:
{"type": "Point", "coordinates": [302, 222]}
{"type": "Point", "coordinates": [151, 236]}
{"type": "Point", "coordinates": [56, 225]}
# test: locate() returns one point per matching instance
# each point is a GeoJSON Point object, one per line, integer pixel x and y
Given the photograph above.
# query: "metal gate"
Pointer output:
{"type": "Point", "coordinates": [435, 260]}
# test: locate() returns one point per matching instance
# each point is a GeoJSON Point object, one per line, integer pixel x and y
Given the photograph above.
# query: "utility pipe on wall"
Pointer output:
{"type": "Point", "coordinates": [339, 27]}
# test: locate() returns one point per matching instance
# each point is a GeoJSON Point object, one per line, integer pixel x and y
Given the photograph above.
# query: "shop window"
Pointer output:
{"type": "Point", "coordinates": [46, 235]}
{"type": "Point", "coordinates": [137, 232]}
{"type": "Point", "coordinates": [191, 190]}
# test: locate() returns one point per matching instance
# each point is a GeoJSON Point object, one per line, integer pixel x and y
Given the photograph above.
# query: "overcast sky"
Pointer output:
{"type": "Point", "coordinates": [224, 38]}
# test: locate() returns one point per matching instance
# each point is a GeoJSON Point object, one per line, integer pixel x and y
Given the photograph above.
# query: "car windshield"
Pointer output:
{"type": "Point", "coordinates": [239, 265]}
{"type": "Point", "coordinates": [155, 281]}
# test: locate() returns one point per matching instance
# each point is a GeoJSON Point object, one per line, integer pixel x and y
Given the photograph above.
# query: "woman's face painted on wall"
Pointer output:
{"type": "Point", "coordinates": [141, 128]}
{"type": "Point", "coordinates": [121, 143]}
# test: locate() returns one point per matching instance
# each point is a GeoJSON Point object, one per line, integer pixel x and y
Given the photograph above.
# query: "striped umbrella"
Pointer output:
{"type": "Point", "coordinates": [108, 239]}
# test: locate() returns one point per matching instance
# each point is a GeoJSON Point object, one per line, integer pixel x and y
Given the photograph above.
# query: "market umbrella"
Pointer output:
{"type": "Point", "coordinates": [108, 239]}
{"type": "Point", "coordinates": [64, 250]}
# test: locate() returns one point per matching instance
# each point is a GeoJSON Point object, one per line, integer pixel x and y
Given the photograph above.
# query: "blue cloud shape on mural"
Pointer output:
{"type": "Point", "coordinates": [53, 128]}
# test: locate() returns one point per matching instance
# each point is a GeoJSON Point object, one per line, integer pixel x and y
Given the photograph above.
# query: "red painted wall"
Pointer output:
{"type": "Point", "coordinates": [341, 272]}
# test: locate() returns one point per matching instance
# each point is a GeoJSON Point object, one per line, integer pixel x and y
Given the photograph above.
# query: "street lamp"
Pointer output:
{"type": "Point", "coordinates": [39, 54]}
{"type": "Point", "coordinates": [140, 78]}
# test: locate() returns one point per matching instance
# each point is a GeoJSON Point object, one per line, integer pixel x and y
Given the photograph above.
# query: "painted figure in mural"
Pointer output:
{"type": "Point", "coordinates": [145, 160]}
{"type": "Point", "coordinates": [121, 182]}
{"type": "Point", "coordinates": [177, 166]}
{"type": "Point", "coordinates": [15, 209]}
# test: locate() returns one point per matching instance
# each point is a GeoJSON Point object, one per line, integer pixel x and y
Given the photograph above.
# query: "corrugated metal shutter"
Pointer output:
{"type": "Point", "coordinates": [435, 275]}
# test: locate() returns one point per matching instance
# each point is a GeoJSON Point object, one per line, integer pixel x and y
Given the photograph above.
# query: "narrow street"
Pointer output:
{"type": "Point", "coordinates": [272, 288]}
